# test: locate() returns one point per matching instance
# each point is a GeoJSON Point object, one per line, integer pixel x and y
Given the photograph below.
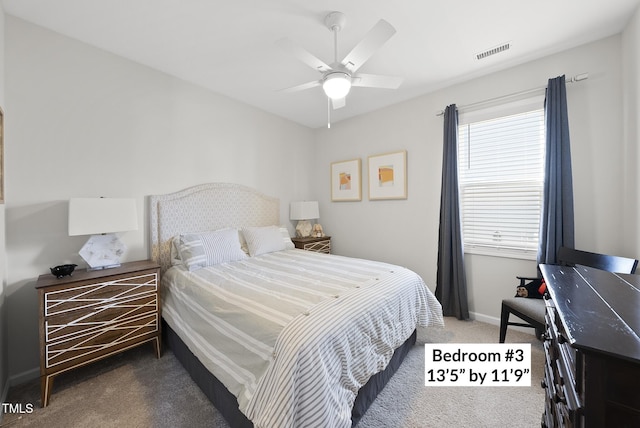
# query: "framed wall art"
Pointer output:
{"type": "Point", "coordinates": [388, 176]}
{"type": "Point", "coordinates": [346, 181]}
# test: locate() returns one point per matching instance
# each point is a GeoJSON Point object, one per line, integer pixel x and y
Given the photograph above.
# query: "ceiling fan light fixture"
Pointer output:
{"type": "Point", "coordinates": [336, 85]}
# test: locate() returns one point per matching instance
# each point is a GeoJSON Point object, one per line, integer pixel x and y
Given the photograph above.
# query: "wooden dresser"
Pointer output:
{"type": "Point", "coordinates": [94, 314]}
{"type": "Point", "coordinates": [592, 347]}
{"type": "Point", "coordinates": [312, 243]}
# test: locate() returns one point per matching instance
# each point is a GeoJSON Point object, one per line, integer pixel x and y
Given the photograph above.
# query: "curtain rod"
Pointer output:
{"type": "Point", "coordinates": [576, 78]}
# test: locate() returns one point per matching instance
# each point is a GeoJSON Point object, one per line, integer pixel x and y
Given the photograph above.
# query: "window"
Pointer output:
{"type": "Point", "coordinates": [501, 175]}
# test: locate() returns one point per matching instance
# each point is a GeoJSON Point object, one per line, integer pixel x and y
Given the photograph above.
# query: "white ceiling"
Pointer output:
{"type": "Point", "coordinates": [228, 46]}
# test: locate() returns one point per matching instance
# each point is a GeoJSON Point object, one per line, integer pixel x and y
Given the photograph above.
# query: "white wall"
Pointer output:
{"type": "Point", "coordinates": [631, 102]}
{"type": "Point", "coordinates": [406, 231]}
{"type": "Point", "coordinates": [85, 123]}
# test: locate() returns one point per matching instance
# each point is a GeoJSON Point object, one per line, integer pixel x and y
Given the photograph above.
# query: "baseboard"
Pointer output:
{"type": "Point", "coordinates": [24, 377]}
{"type": "Point", "coordinates": [496, 321]}
{"type": "Point", "coordinates": [484, 318]}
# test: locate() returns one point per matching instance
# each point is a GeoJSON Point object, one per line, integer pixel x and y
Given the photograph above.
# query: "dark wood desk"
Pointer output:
{"type": "Point", "coordinates": [592, 346]}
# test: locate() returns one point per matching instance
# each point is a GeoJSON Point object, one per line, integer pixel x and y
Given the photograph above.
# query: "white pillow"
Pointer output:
{"type": "Point", "coordinates": [261, 240]}
{"type": "Point", "coordinates": [198, 250]}
{"type": "Point", "coordinates": [288, 243]}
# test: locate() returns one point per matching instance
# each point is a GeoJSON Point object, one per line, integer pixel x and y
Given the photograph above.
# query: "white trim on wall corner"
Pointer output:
{"type": "Point", "coordinates": [3, 398]}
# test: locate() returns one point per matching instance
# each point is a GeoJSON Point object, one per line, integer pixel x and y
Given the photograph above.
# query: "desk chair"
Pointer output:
{"type": "Point", "coordinates": [532, 311]}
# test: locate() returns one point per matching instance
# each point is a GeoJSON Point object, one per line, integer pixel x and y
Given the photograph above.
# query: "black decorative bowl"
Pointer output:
{"type": "Point", "coordinates": [62, 270]}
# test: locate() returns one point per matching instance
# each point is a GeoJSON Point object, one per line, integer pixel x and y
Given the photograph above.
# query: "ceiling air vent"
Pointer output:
{"type": "Point", "coordinates": [503, 47]}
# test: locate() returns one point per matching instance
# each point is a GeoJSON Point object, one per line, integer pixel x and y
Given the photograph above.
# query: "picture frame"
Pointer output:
{"type": "Point", "coordinates": [388, 176]}
{"type": "Point", "coordinates": [346, 181]}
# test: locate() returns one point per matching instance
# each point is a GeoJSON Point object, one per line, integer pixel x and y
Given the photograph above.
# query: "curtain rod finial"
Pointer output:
{"type": "Point", "coordinates": [579, 77]}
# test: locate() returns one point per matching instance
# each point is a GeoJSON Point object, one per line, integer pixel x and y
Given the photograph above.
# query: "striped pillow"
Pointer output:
{"type": "Point", "coordinates": [222, 246]}
{"type": "Point", "coordinates": [191, 251]}
{"type": "Point", "coordinates": [261, 240]}
{"type": "Point", "coordinates": [198, 250]}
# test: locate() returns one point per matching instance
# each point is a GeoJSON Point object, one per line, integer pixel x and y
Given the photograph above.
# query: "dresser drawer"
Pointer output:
{"type": "Point", "coordinates": [319, 247]}
{"type": "Point", "coordinates": [87, 299]}
{"type": "Point", "coordinates": [90, 294]}
{"type": "Point", "coordinates": [92, 342]}
{"type": "Point", "coordinates": [87, 317]}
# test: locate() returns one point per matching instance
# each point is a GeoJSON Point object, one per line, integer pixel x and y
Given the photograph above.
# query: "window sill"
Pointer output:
{"type": "Point", "coordinates": [510, 253]}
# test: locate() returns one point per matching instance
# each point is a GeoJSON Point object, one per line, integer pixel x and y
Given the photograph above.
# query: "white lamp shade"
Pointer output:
{"type": "Point", "coordinates": [306, 210]}
{"type": "Point", "coordinates": [337, 85]}
{"type": "Point", "coordinates": [90, 216]}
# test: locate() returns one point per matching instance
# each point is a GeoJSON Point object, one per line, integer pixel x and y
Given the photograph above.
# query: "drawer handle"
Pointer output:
{"type": "Point", "coordinates": [557, 398]}
{"type": "Point", "coordinates": [543, 384]}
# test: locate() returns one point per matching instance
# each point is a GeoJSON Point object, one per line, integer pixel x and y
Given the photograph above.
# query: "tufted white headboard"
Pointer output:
{"type": "Point", "coordinates": [205, 207]}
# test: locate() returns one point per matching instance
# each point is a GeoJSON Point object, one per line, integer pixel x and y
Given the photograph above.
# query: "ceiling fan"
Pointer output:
{"type": "Point", "coordinates": [338, 77]}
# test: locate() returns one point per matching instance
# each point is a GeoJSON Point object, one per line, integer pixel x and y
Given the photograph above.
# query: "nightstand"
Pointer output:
{"type": "Point", "coordinates": [312, 243]}
{"type": "Point", "coordinates": [95, 314]}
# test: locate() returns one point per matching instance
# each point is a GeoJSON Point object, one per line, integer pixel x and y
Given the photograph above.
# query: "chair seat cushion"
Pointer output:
{"type": "Point", "coordinates": [533, 308]}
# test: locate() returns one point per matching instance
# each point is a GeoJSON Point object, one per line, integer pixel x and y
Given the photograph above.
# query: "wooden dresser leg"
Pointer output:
{"type": "Point", "coordinates": [157, 347]}
{"type": "Point", "coordinates": [46, 383]}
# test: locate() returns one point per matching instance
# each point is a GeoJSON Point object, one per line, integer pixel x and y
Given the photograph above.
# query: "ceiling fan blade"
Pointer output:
{"type": "Point", "coordinates": [375, 38]}
{"type": "Point", "coordinates": [338, 102]}
{"type": "Point", "coordinates": [376, 81]}
{"type": "Point", "coordinates": [303, 55]}
{"type": "Point", "coordinates": [303, 86]}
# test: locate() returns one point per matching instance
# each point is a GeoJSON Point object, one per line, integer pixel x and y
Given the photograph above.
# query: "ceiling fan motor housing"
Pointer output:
{"type": "Point", "coordinates": [335, 21]}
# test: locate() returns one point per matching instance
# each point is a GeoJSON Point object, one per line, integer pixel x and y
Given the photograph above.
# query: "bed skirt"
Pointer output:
{"type": "Point", "coordinates": [227, 404]}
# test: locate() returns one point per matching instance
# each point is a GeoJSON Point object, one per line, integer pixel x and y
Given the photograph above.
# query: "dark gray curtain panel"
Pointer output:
{"type": "Point", "coordinates": [557, 221]}
{"type": "Point", "coordinates": [451, 282]}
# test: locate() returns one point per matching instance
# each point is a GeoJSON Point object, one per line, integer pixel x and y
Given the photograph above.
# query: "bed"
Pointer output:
{"type": "Point", "coordinates": [273, 335]}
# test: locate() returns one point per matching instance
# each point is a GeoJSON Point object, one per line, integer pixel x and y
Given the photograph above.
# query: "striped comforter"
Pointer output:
{"type": "Point", "coordinates": [294, 334]}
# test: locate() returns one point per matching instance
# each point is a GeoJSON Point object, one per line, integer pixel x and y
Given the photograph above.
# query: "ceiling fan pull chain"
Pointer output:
{"type": "Point", "coordinates": [335, 45]}
{"type": "Point", "coordinates": [328, 112]}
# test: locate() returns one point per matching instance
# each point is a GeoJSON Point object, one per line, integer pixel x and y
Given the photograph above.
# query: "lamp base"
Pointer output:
{"type": "Point", "coordinates": [102, 251]}
{"type": "Point", "coordinates": [303, 229]}
{"type": "Point", "coordinates": [89, 269]}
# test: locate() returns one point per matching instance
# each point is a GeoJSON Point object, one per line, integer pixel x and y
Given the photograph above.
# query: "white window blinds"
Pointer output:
{"type": "Point", "coordinates": [501, 173]}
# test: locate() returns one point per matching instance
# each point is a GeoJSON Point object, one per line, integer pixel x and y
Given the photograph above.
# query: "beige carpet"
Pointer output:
{"type": "Point", "coordinates": [136, 390]}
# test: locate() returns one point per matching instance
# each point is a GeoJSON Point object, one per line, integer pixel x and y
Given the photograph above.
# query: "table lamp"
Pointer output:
{"type": "Point", "coordinates": [101, 218]}
{"type": "Point", "coordinates": [303, 212]}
